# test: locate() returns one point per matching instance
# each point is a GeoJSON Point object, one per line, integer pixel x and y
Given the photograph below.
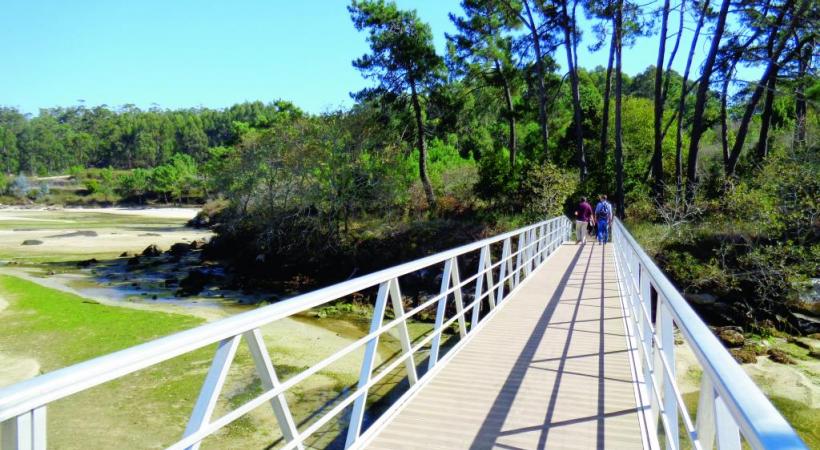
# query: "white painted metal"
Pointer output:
{"type": "Point", "coordinates": [404, 333]}
{"type": "Point", "coordinates": [212, 386]}
{"type": "Point", "coordinates": [359, 406]}
{"type": "Point", "coordinates": [267, 375]}
{"type": "Point", "coordinates": [730, 404]}
{"type": "Point", "coordinates": [706, 414]}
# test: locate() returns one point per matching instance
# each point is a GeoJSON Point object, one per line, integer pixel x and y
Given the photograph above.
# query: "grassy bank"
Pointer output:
{"type": "Point", "coordinates": [150, 408]}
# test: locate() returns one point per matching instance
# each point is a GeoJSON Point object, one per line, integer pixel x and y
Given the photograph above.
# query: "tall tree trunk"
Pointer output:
{"type": "Point", "coordinates": [766, 120]}
{"type": "Point", "coordinates": [539, 69]}
{"type": "Point", "coordinates": [425, 180]}
{"type": "Point", "coordinates": [512, 142]}
{"type": "Point", "coordinates": [605, 119]}
{"type": "Point", "coordinates": [569, 32]}
{"type": "Point", "coordinates": [800, 94]}
{"type": "Point", "coordinates": [771, 70]}
{"type": "Point", "coordinates": [700, 102]}
{"type": "Point", "coordinates": [657, 154]}
{"type": "Point", "coordinates": [724, 122]}
{"type": "Point", "coordinates": [682, 103]}
{"type": "Point", "coordinates": [619, 163]}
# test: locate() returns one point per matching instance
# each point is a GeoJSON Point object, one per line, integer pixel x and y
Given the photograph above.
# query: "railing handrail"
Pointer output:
{"type": "Point", "coordinates": [759, 421]}
{"type": "Point", "coordinates": [27, 395]}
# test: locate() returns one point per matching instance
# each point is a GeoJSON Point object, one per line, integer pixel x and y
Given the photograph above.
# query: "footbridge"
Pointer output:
{"type": "Point", "coordinates": [524, 340]}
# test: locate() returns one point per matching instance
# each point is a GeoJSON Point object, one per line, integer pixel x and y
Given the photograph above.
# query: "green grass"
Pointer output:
{"type": "Point", "coordinates": [84, 329]}
{"type": "Point", "coordinates": [60, 329]}
{"type": "Point", "coordinates": [804, 420]}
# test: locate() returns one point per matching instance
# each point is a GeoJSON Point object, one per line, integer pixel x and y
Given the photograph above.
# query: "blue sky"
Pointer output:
{"type": "Point", "coordinates": [188, 53]}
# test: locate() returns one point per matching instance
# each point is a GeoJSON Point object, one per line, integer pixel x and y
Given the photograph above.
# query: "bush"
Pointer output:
{"type": "Point", "coordinates": [19, 186]}
{"type": "Point", "coordinates": [545, 190]}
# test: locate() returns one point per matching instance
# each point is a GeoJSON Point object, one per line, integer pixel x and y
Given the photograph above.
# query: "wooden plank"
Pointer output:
{"type": "Point", "coordinates": [551, 369]}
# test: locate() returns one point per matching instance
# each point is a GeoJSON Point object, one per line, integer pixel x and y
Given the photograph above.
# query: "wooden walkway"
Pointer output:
{"type": "Point", "coordinates": [551, 370]}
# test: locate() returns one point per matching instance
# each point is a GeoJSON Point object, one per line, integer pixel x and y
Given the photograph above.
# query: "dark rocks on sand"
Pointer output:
{"type": "Point", "coordinates": [199, 244]}
{"type": "Point", "coordinates": [731, 337]}
{"type": "Point", "coordinates": [32, 242]}
{"type": "Point", "coordinates": [87, 262]}
{"type": "Point", "coordinates": [744, 355]}
{"type": "Point", "coordinates": [152, 251]}
{"type": "Point", "coordinates": [779, 356]}
{"type": "Point", "coordinates": [180, 249]}
{"type": "Point", "coordinates": [193, 283]}
{"type": "Point", "coordinates": [125, 255]}
{"type": "Point", "coordinates": [701, 299]}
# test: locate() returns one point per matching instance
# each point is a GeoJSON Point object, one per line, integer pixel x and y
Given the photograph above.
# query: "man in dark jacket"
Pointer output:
{"type": "Point", "coordinates": [583, 214]}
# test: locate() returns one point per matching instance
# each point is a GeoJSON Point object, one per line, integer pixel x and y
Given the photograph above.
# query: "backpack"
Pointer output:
{"type": "Point", "coordinates": [605, 210]}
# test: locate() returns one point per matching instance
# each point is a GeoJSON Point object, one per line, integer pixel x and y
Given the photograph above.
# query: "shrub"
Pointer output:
{"type": "Point", "coordinates": [545, 190]}
{"type": "Point", "coordinates": [19, 186]}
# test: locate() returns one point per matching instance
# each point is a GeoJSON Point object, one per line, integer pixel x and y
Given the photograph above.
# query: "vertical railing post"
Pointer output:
{"type": "Point", "coordinates": [455, 281]}
{"type": "Point", "coordinates": [25, 432]}
{"type": "Point", "coordinates": [648, 347]}
{"type": "Point", "coordinates": [366, 371]}
{"type": "Point", "coordinates": [502, 270]}
{"type": "Point", "coordinates": [666, 329]}
{"type": "Point", "coordinates": [403, 332]}
{"type": "Point", "coordinates": [519, 257]}
{"type": "Point", "coordinates": [441, 309]}
{"type": "Point", "coordinates": [705, 421]}
{"type": "Point", "coordinates": [269, 380]}
{"type": "Point", "coordinates": [728, 434]}
{"type": "Point", "coordinates": [212, 386]}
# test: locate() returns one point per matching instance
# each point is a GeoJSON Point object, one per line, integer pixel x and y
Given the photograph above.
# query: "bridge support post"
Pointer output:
{"type": "Point", "coordinates": [404, 334]}
{"type": "Point", "coordinates": [665, 327]}
{"type": "Point", "coordinates": [25, 432]}
{"type": "Point", "coordinates": [269, 379]}
{"type": "Point", "coordinates": [209, 394]}
{"type": "Point", "coordinates": [506, 265]}
{"type": "Point", "coordinates": [366, 371]}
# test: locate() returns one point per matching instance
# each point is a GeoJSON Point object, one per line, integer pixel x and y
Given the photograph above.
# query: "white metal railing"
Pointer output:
{"type": "Point", "coordinates": [730, 404]}
{"type": "Point", "coordinates": [23, 405]}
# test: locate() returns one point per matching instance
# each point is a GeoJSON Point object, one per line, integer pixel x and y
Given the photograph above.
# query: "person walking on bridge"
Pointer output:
{"type": "Point", "coordinates": [603, 216]}
{"type": "Point", "coordinates": [583, 215]}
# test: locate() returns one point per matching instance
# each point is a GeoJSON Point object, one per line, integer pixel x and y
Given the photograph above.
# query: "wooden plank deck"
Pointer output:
{"type": "Point", "coordinates": [550, 370]}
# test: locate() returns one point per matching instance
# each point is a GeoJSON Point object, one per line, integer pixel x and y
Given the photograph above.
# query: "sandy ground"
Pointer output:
{"type": "Point", "coordinates": [14, 368]}
{"type": "Point", "coordinates": [57, 239]}
{"type": "Point", "coordinates": [781, 380]}
{"type": "Point", "coordinates": [300, 341]}
{"type": "Point", "coordinates": [8, 213]}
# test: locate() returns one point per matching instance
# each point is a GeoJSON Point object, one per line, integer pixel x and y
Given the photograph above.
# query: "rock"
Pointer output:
{"type": "Point", "coordinates": [125, 255]}
{"type": "Point", "coordinates": [779, 356]}
{"type": "Point", "coordinates": [701, 299]}
{"type": "Point", "coordinates": [50, 273]}
{"type": "Point", "coordinates": [179, 249]}
{"type": "Point", "coordinates": [199, 244]}
{"type": "Point", "coordinates": [193, 283]}
{"type": "Point", "coordinates": [731, 337]}
{"type": "Point", "coordinates": [744, 355]}
{"type": "Point", "coordinates": [135, 261]}
{"type": "Point", "coordinates": [87, 262]}
{"type": "Point", "coordinates": [800, 343]}
{"type": "Point", "coordinates": [152, 251]}
{"type": "Point", "coordinates": [201, 220]}
{"type": "Point", "coordinates": [171, 282]}
{"type": "Point", "coordinates": [32, 242]}
{"type": "Point", "coordinates": [815, 353]}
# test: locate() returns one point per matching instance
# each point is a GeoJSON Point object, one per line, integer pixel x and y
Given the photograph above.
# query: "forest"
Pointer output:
{"type": "Point", "coordinates": [716, 175]}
